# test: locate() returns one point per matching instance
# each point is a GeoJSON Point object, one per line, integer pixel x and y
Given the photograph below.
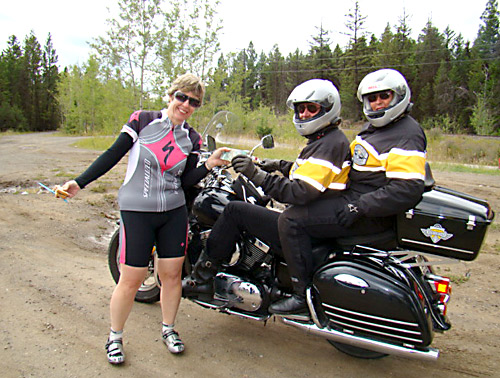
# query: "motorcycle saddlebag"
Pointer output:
{"type": "Point", "coordinates": [446, 223]}
{"type": "Point", "coordinates": [358, 297]}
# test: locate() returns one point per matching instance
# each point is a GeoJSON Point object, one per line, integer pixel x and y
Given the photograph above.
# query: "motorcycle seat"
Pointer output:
{"type": "Point", "coordinates": [322, 248]}
{"type": "Point", "coordinates": [386, 241]}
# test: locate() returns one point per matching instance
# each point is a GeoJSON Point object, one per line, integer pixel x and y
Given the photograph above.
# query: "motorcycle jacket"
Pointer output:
{"type": "Point", "coordinates": [322, 167]}
{"type": "Point", "coordinates": [388, 167]}
{"type": "Point", "coordinates": [162, 159]}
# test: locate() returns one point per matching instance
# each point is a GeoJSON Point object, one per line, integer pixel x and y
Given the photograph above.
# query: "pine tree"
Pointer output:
{"type": "Point", "coordinates": [31, 79]}
{"type": "Point", "coordinates": [430, 52]}
{"type": "Point", "coordinates": [11, 111]}
{"type": "Point", "coordinates": [485, 80]}
{"type": "Point", "coordinates": [358, 61]}
{"type": "Point", "coordinates": [50, 77]}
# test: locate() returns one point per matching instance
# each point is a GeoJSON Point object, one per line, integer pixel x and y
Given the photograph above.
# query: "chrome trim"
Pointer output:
{"type": "Point", "coordinates": [425, 354]}
{"type": "Point", "coordinates": [225, 310]}
{"type": "Point", "coordinates": [437, 246]}
{"type": "Point", "coordinates": [298, 317]}
{"type": "Point", "coordinates": [312, 310]}
{"type": "Point", "coordinates": [207, 304]}
{"type": "Point", "coordinates": [261, 245]}
{"type": "Point", "coordinates": [402, 330]}
{"type": "Point", "coordinates": [369, 316]}
{"type": "Point", "coordinates": [471, 223]}
{"type": "Point", "coordinates": [401, 256]}
{"type": "Point", "coordinates": [245, 316]}
{"type": "Point", "coordinates": [369, 330]}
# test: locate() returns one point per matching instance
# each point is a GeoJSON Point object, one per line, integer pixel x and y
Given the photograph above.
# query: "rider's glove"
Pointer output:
{"type": "Point", "coordinates": [244, 165]}
{"type": "Point", "coordinates": [270, 165]}
{"type": "Point", "coordinates": [348, 215]}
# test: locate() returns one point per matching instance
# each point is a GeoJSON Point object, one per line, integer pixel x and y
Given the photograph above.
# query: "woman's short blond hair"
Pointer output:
{"type": "Point", "coordinates": [188, 83]}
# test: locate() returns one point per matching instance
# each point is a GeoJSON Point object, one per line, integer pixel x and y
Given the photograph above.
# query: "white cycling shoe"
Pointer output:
{"type": "Point", "coordinates": [173, 342]}
{"type": "Point", "coordinates": [115, 352]}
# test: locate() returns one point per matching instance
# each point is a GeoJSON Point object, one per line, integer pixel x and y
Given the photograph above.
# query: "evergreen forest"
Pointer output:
{"type": "Point", "coordinates": [455, 83]}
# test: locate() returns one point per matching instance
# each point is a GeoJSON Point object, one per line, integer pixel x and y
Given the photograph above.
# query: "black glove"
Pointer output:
{"type": "Point", "coordinates": [244, 165]}
{"type": "Point", "coordinates": [270, 165]}
{"type": "Point", "coordinates": [348, 215]}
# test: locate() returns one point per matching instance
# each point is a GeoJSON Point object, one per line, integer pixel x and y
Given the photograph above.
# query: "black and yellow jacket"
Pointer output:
{"type": "Point", "coordinates": [321, 168]}
{"type": "Point", "coordinates": [388, 167]}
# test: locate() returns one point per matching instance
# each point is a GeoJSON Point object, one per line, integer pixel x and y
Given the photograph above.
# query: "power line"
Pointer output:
{"type": "Point", "coordinates": [347, 56]}
{"type": "Point", "coordinates": [371, 67]}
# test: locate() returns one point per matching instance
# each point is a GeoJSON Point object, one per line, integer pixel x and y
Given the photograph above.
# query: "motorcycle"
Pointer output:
{"type": "Point", "coordinates": [371, 296]}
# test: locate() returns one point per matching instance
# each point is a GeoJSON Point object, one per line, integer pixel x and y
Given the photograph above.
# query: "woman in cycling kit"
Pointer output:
{"type": "Point", "coordinates": [164, 152]}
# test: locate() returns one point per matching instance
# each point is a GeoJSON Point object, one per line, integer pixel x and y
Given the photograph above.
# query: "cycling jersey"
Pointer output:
{"type": "Point", "coordinates": [156, 162]}
{"type": "Point", "coordinates": [162, 158]}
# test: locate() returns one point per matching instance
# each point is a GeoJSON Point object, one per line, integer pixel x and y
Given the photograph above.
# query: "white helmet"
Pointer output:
{"type": "Point", "coordinates": [383, 80]}
{"type": "Point", "coordinates": [321, 92]}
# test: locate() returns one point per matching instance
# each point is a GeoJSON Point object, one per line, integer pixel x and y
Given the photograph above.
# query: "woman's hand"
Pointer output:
{"type": "Point", "coordinates": [215, 159]}
{"type": "Point", "coordinates": [68, 189]}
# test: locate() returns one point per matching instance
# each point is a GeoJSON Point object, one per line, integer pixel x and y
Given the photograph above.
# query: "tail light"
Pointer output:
{"type": "Point", "coordinates": [442, 290]}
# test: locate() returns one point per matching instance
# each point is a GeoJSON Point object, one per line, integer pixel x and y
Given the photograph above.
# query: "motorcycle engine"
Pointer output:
{"type": "Point", "coordinates": [251, 253]}
{"type": "Point", "coordinates": [238, 293]}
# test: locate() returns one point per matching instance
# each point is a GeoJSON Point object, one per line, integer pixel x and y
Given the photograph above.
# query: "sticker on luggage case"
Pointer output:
{"type": "Point", "coordinates": [436, 233]}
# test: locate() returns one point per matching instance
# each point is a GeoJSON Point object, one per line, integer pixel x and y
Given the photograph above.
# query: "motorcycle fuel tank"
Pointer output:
{"type": "Point", "coordinates": [362, 299]}
{"type": "Point", "coordinates": [210, 203]}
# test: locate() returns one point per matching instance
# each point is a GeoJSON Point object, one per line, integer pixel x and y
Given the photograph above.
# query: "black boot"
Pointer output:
{"type": "Point", "coordinates": [200, 281]}
{"type": "Point", "coordinates": [296, 304]}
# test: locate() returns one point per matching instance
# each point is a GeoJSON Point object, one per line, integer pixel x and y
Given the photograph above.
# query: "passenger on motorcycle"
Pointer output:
{"type": "Point", "coordinates": [386, 177]}
{"type": "Point", "coordinates": [163, 157]}
{"type": "Point", "coordinates": [320, 171]}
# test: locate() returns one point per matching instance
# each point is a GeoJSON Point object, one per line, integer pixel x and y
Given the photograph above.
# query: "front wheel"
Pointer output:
{"type": "Point", "coordinates": [357, 352]}
{"type": "Point", "coordinates": [149, 292]}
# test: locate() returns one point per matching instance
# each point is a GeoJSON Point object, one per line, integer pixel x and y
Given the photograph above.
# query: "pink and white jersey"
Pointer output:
{"type": "Point", "coordinates": [156, 162]}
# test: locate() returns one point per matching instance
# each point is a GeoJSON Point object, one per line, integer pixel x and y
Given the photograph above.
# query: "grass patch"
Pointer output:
{"type": "Point", "coordinates": [459, 279]}
{"type": "Point", "coordinates": [465, 168]}
{"type": "Point", "coordinates": [64, 175]}
{"type": "Point", "coordinates": [99, 188]}
{"type": "Point", "coordinates": [99, 143]}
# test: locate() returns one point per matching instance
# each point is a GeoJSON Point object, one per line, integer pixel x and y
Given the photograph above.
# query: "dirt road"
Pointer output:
{"type": "Point", "coordinates": [55, 288]}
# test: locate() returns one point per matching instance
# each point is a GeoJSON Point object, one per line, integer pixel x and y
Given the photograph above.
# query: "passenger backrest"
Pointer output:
{"type": "Point", "coordinates": [429, 181]}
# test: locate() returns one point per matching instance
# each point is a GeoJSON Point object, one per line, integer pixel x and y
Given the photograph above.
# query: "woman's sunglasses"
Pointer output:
{"type": "Point", "coordinates": [181, 97]}
{"type": "Point", "coordinates": [310, 106]}
{"type": "Point", "coordinates": [383, 96]}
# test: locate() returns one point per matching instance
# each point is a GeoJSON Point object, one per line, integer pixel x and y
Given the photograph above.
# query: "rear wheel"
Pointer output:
{"type": "Point", "coordinates": [357, 352]}
{"type": "Point", "coordinates": [149, 292]}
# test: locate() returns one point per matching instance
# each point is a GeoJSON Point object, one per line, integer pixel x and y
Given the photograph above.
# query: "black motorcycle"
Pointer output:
{"type": "Point", "coordinates": [371, 296]}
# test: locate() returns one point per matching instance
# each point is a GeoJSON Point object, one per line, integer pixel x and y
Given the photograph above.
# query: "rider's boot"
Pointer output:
{"type": "Point", "coordinates": [200, 281]}
{"type": "Point", "coordinates": [295, 304]}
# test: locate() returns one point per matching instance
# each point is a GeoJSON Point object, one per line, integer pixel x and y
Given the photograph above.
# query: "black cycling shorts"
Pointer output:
{"type": "Point", "coordinates": [141, 231]}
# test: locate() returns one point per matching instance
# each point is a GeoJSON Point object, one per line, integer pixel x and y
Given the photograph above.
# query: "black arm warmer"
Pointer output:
{"type": "Point", "coordinates": [106, 161]}
{"type": "Point", "coordinates": [192, 175]}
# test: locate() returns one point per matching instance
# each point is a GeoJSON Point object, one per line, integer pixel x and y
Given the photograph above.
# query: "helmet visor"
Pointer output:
{"type": "Point", "coordinates": [307, 109]}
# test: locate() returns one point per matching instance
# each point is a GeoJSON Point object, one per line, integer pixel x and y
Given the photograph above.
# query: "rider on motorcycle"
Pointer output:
{"type": "Point", "coordinates": [386, 177]}
{"type": "Point", "coordinates": [320, 171]}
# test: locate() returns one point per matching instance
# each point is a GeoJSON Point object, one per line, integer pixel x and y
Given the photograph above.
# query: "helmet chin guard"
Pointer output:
{"type": "Point", "coordinates": [383, 80]}
{"type": "Point", "coordinates": [321, 92]}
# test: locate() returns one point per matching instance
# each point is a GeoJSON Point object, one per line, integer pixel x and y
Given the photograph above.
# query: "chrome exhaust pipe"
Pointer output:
{"type": "Point", "coordinates": [428, 354]}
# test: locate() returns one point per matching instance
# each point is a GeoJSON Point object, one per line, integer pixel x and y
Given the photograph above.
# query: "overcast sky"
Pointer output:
{"type": "Point", "coordinates": [288, 23]}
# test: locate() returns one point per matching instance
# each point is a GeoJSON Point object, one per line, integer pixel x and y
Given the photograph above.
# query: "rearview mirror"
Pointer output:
{"type": "Point", "coordinates": [211, 144]}
{"type": "Point", "coordinates": [268, 141]}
